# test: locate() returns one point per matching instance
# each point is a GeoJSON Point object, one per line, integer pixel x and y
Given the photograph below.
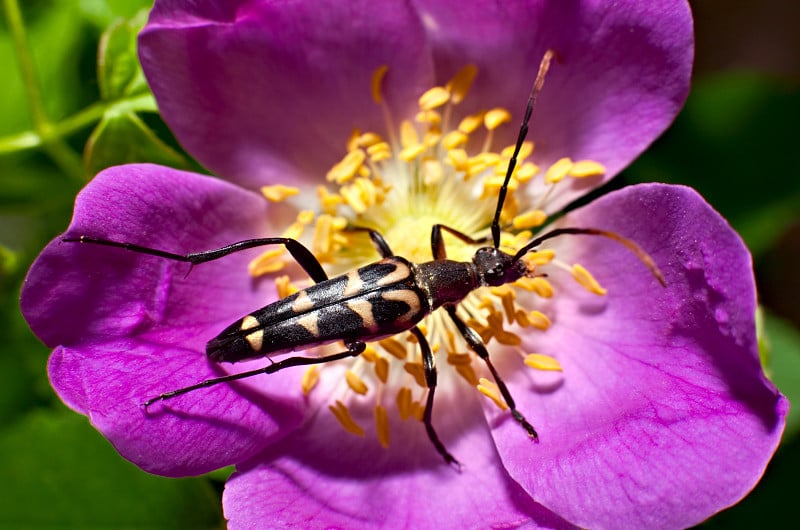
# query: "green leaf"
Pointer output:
{"type": "Point", "coordinates": [60, 472]}
{"type": "Point", "coordinates": [118, 71]}
{"type": "Point", "coordinates": [782, 341]}
{"type": "Point", "coordinates": [103, 13]}
{"type": "Point", "coordinates": [122, 138]}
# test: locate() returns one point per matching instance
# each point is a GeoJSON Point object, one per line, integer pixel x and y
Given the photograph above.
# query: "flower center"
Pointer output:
{"type": "Point", "coordinates": [432, 170]}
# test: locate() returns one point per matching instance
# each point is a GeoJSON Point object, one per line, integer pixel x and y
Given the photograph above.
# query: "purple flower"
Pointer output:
{"type": "Point", "coordinates": [650, 402]}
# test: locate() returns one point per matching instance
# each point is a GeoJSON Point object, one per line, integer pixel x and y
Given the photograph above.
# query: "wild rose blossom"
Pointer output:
{"type": "Point", "coordinates": [650, 402]}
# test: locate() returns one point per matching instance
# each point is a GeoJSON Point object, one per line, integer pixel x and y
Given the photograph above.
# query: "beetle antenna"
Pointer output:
{"type": "Point", "coordinates": [544, 65]}
{"type": "Point", "coordinates": [643, 256]}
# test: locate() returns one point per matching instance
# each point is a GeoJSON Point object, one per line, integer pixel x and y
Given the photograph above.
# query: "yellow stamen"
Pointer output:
{"type": "Point", "coordinates": [586, 168]}
{"type": "Point", "coordinates": [284, 286]}
{"type": "Point", "coordinates": [394, 347]}
{"type": "Point", "coordinates": [466, 371]}
{"type": "Point", "coordinates": [536, 319]}
{"type": "Point", "coordinates": [458, 358]}
{"type": "Point", "coordinates": [543, 362]}
{"type": "Point", "coordinates": [558, 171]}
{"type": "Point", "coordinates": [347, 168]}
{"type": "Point", "coordinates": [524, 151]}
{"type": "Point", "coordinates": [431, 117]}
{"type": "Point", "coordinates": [377, 83]}
{"type": "Point", "coordinates": [434, 98]}
{"type": "Point", "coordinates": [540, 257]}
{"type": "Point", "coordinates": [495, 118]}
{"type": "Point", "coordinates": [268, 262]}
{"type": "Point", "coordinates": [343, 415]}
{"type": "Point", "coordinates": [490, 390]}
{"type": "Point", "coordinates": [369, 354]}
{"type": "Point", "coordinates": [328, 201]}
{"type": "Point", "coordinates": [382, 369]}
{"type": "Point", "coordinates": [469, 124]}
{"type": "Point", "coordinates": [460, 84]}
{"type": "Point", "coordinates": [403, 401]}
{"type": "Point", "coordinates": [355, 383]}
{"type": "Point", "coordinates": [278, 192]}
{"type": "Point", "coordinates": [585, 278]}
{"type": "Point", "coordinates": [310, 379]}
{"type": "Point", "coordinates": [537, 285]}
{"type": "Point", "coordinates": [526, 171]}
{"type": "Point", "coordinates": [454, 139]}
{"type": "Point", "coordinates": [529, 219]}
{"type": "Point", "coordinates": [382, 426]}
{"type": "Point", "coordinates": [417, 371]}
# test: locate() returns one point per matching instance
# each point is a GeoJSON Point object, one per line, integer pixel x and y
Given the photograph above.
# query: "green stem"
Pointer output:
{"type": "Point", "coordinates": [17, 28]}
{"type": "Point", "coordinates": [67, 160]}
{"type": "Point", "coordinates": [84, 118]}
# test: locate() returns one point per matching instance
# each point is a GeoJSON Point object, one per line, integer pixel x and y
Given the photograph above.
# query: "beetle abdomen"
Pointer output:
{"type": "Point", "coordinates": [373, 302]}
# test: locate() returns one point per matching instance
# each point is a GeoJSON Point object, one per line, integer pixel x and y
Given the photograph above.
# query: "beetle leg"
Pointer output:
{"type": "Point", "coordinates": [377, 239]}
{"type": "Point", "coordinates": [353, 349]}
{"type": "Point", "coordinates": [437, 241]}
{"type": "Point", "coordinates": [301, 254]}
{"type": "Point", "coordinates": [476, 345]}
{"type": "Point", "coordinates": [429, 365]}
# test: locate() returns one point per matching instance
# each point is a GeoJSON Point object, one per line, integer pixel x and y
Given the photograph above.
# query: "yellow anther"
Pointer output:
{"type": "Point", "coordinates": [408, 134]}
{"type": "Point", "coordinates": [310, 379]}
{"type": "Point", "coordinates": [347, 168]}
{"type": "Point", "coordinates": [394, 347]}
{"type": "Point", "coordinates": [430, 117]}
{"type": "Point", "coordinates": [537, 285]}
{"type": "Point", "coordinates": [323, 230]}
{"type": "Point", "coordinates": [585, 278]}
{"type": "Point", "coordinates": [524, 151]}
{"type": "Point", "coordinates": [459, 160]}
{"type": "Point", "coordinates": [466, 371]}
{"type": "Point", "coordinates": [537, 319]}
{"type": "Point", "coordinates": [379, 152]}
{"type": "Point", "coordinates": [460, 84]}
{"type": "Point", "coordinates": [343, 415]}
{"type": "Point", "coordinates": [410, 153]}
{"type": "Point", "coordinates": [267, 262]}
{"type": "Point", "coordinates": [432, 138]}
{"type": "Point", "coordinates": [369, 354]}
{"type": "Point", "coordinates": [558, 170]}
{"type": "Point", "coordinates": [284, 287]}
{"type": "Point", "coordinates": [278, 192]}
{"type": "Point", "coordinates": [368, 139]}
{"type": "Point", "coordinates": [417, 371]}
{"type": "Point", "coordinates": [305, 216]}
{"type": "Point", "coordinates": [526, 171]}
{"type": "Point", "coordinates": [540, 257]}
{"type": "Point", "coordinates": [492, 185]}
{"type": "Point", "coordinates": [586, 168]}
{"type": "Point", "coordinates": [454, 139]}
{"type": "Point", "coordinates": [382, 426]}
{"type": "Point", "coordinates": [490, 390]}
{"type": "Point", "coordinates": [434, 98]}
{"type": "Point", "coordinates": [355, 383]}
{"type": "Point", "coordinates": [404, 403]}
{"type": "Point", "coordinates": [382, 369]}
{"type": "Point", "coordinates": [529, 219]}
{"type": "Point", "coordinates": [543, 362]}
{"type": "Point", "coordinates": [507, 338]}
{"type": "Point", "coordinates": [418, 410]}
{"type": "Point", "coordinates": [328, 201]}
{"type": "Point", "coordinates": [377, 83]}
{"type": "Point", "coordinates": [470, 123]}
{"type": "Point", "coordinates": [495, 118]}
{"type": "Point", "coordinates": [485, 332]}
{"type": "Point", "coordinates": [458, 358]}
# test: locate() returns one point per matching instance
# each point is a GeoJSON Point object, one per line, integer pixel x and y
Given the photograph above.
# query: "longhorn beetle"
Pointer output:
{"type": "Point", "coordinates": [376, 301]}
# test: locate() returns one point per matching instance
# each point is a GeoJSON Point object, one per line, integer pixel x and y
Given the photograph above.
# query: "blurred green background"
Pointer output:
{"type": "Point", "coordinates": [734, 142]}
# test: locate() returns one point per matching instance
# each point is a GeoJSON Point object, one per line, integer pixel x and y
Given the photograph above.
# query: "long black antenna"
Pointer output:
{"type": "Point", "coordinates": [544, 65]}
